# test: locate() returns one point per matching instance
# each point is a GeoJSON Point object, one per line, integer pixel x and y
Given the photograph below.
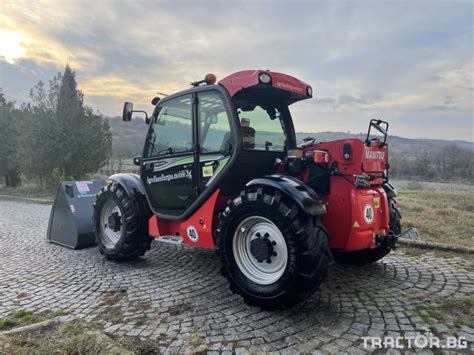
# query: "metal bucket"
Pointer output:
{"type": "Point", "coordinates": [70, 223]}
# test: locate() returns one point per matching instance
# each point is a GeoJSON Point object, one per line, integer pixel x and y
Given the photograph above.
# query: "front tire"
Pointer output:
{"type": "Point", "coordinates": [120, 228]}
{"type": "Point", "coordinates": [273, 254]}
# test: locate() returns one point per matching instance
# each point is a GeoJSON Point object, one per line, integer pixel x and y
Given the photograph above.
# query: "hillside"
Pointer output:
{"type": "Point", "coordinates": [427, 159]}
{"type": "Point", "coordinates": [129, 138]}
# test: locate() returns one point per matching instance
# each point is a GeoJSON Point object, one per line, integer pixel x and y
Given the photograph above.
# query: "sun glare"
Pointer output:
{"type": "Point", "coordinates": [11, 46]}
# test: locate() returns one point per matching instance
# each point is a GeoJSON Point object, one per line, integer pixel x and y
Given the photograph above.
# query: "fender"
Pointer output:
{"type": "Point", "coordinates": [390, 190]}
{"type": "Point", "coordinates": [133, 186]}
{"type": "Point", "coordinates": [309, 201]}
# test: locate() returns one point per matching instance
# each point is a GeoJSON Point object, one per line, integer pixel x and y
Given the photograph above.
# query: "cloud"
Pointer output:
{"type": "Point", "coordinates": [392, 59]}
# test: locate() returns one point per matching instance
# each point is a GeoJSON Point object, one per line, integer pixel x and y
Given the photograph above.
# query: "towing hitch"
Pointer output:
{"type": "Point", "coordinates": [387, 242]}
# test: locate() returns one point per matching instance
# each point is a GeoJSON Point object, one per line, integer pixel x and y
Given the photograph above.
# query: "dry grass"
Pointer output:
{"type": "Point", "coordinates": [28, 191]}
{"type": "Point", "coordinates": [55, 339]}
{"type": "Point", "coordinates": [22, 317]}
{"type": "Point", "coordinates": [456, 311]}
{"type": "Point", "coordinates": [440, 216]}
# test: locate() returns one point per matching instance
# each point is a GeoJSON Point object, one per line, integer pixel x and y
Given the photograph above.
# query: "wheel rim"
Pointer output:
{"type": "Point", "coordinates": [248, 250]}
{"type": "Point", "coordinates": [112, 235]}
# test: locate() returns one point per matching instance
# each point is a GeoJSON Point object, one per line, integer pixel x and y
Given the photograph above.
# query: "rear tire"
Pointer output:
{"type": "Point", "coordinates": [120, 228]}
{"type": "Point", "coordinates": [292, 248]}
{"type": "Point", "coordinates": [369, 256]}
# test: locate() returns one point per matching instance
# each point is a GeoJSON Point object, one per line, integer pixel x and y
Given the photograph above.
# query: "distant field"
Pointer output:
{"type": "Point", "coordinates": [442, 213]}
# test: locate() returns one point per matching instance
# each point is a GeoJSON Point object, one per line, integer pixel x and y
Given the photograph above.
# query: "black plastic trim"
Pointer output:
{"type": "Point", "coordinates": [309, 200]}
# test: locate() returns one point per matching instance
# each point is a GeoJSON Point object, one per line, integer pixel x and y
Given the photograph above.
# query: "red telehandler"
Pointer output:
{"type": "Point", "coordinates": [221, 169]}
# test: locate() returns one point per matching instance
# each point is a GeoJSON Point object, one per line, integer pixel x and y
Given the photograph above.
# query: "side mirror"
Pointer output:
{"type": "Point", "coordinates": [137, 161]}
{"type": "Point", "coordinates": [127, 111]}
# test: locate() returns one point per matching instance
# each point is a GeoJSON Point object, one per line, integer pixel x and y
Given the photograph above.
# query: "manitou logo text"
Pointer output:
{"type": "Point", "coordinates": [374, 154]}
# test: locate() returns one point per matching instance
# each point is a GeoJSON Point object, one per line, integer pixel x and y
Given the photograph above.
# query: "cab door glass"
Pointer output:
{"type": "Point", "coordinates": [215, 136]}
{"type": "Point", "coordinates": [171, 131]}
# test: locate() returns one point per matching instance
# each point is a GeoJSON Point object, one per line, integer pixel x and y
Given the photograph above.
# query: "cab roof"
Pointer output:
{"type": "Point", "coordinates": [294, 89]}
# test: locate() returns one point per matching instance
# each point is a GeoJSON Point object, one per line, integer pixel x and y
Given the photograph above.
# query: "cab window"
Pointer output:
{"type": "Point", "coordinates": [262, 128]}
{"type": "Point", "coordinates": [171, 131]}
{"type": "Point", "coordinates": [213, 123]}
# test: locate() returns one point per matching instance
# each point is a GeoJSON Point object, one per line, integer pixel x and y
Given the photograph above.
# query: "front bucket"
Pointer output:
{"type": "Point", "coordinates": [70, 222]}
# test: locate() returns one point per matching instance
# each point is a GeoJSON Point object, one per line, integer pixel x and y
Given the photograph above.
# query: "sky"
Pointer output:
{"type": "Point", "coordinates": [407, 62]}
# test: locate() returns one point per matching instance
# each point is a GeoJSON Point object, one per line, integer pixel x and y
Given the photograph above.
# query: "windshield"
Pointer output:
{"type": "Point", "coordinates": [263, 126]}
{"type": "Point", "coordinates": [171, 129]}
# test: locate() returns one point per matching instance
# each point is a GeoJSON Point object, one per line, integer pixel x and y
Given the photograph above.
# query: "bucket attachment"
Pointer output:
{"type": "Point", "coordinates": [70, 223]}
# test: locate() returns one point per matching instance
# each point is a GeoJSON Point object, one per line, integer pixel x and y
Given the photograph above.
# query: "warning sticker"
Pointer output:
{"type": "Point", "coordinates": [376, 202]}
{"type": "Point", "coordinates": [368, 214]}
{"type": "Point", "coordinates": [207, 171]}
{"type": "Point", "coordinates": [82, 187]}
{"type": "Point", "coordinates": [356, 225]}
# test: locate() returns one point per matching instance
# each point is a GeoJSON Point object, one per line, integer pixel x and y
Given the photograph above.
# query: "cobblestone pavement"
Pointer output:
{"type": "Point", "coordinates": [177, 299]}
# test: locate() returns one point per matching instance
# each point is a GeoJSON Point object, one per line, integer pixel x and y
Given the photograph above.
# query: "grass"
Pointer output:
{"type": "Point", "coordinates": [71, 338]}
{"type": "Point", "coordinates": [18, 318]}
{"type": "Point", "coordinates": [417, 252]}
{"type": "Point", "coordinates": [22, 317]}
{"type": "Point", "coordinates": [456, 310]}
{"type": "Point", "coordinates": [29, 191]}
{"type": "Point", "coordinates": [440, 216]}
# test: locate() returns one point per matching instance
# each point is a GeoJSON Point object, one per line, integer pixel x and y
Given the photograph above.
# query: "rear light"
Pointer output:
{"type": "Point", "coordinates": [309, 91]}
{"type": "Point", "coordinates": [320, 157]}
{"type": "Point", "coordinates": [265, 78]}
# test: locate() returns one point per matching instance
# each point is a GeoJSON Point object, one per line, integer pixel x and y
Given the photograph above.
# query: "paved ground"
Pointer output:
{"type": "Point", "coordinates": [177, 299]}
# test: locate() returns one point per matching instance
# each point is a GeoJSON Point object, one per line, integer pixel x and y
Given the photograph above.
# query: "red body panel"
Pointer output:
{"type": "Point", "coordinates": [363, 159]}
{"type": "Point", "coordinates": [203, 220]}
{"type": "Point", "coordinates": [345, 219]}
{"type": "Point", "coordinates": [346, 203]}
{"type": "Point", "coordinates": [248, 78]}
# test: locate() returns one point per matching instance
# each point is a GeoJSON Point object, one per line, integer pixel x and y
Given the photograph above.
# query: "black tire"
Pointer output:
{"type": "Point", "coordinates": [369, 256]}
{"type": "Point", "coordinates": [395, 217]}
{"type": "Point", "coordinates": [308, 253]}
{"type": "Point", "coordinates": [133, 240]}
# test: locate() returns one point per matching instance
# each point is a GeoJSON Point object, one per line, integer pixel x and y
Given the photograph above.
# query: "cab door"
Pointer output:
{"type": "Point", "coordinates": [216, 141]}
{"type": "Point", "coordinates": [169, 162]}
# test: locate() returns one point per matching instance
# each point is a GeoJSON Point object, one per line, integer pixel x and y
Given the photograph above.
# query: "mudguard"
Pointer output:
{"type": "Point", "coordinates": [133, 186]}
{"type": "Point", "coordinates": [390, 190]}
{"type": "Point", "coordinates": [309, 201]}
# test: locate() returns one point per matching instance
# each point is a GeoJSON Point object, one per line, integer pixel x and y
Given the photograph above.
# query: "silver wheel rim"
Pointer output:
{"type": "Point", "coordinates": [263, 273]}
{"type": "Point", "coordinates": [111, 236]}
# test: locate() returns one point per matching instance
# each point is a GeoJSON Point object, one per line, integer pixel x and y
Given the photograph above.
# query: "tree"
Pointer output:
{"type": "Point", "coordinates": [61, 137]}
{"type": "Point", "coordinates": [84, 138]}
{"type": "Point", "coordinates": [9, 159]}
{"type": "Point", "coordinates": [39, 153]}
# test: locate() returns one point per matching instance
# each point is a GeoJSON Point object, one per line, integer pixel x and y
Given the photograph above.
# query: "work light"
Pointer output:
{"type": "Point", "coordinates": [265, 78]}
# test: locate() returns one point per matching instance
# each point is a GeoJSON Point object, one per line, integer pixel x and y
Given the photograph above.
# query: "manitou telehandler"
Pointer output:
{"type": "Point", "coordinates": [221, 169]}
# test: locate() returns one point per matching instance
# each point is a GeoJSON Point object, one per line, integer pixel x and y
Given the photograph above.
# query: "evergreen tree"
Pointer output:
{"type": "Point", "coordinates": [40, 158]}
{"type": "Point", "coordinates": [84, 138]}
{"type": "Point", "coordinates": [9, 159]}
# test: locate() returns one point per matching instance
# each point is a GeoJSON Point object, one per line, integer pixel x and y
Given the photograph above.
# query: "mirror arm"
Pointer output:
{"type": "Point", "coordinates": [139, 111]}
{"type": "Point", "coordinates": [147, 119]}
